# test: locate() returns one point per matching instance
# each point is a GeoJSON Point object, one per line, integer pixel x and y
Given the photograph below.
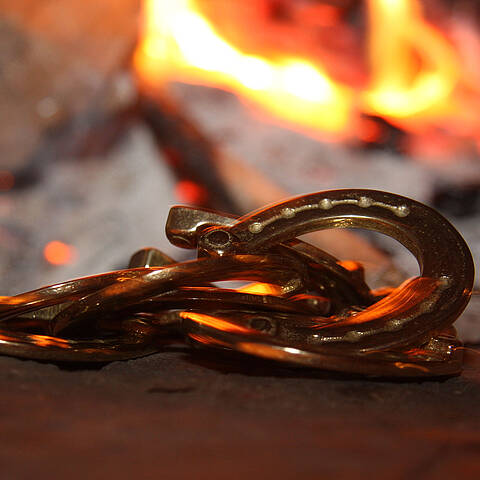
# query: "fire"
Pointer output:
{"type": "Point", "coordinates": [180, 44]}
{"type": "Point", "coordinates": [415, 77]}
{"type": "Point", "coordinates": [397, 89]}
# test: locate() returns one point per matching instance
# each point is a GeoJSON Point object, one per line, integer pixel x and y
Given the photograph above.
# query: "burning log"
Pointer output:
{"type": "Point", "coordinates": [190, 155]}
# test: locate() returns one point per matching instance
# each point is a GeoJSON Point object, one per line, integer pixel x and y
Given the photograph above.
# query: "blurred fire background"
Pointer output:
{"type": "Point", "coordinates": [113, 111]}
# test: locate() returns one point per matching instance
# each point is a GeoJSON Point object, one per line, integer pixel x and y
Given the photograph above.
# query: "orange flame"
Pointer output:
{"type": "Point", "coordinates": [180, 44]}
{"type": "Point", "coordinates": [416, 77]}
{"type": "Point", "coordinates": [397, 90]}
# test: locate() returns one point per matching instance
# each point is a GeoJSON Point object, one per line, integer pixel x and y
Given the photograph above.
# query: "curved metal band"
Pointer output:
{"type": "Point", "coordinates": [68, 291]}
{"type": "Point", "coordinates": [438, 358]}
{"type": "Point", "coordinates": [286, 273]}
{"type": "Point", "coordinates": [123, 340]}
{"type": "Point", "coordinates": [77, 302]}
{"type": "Point", "coordinates": [190, 227]}
{"type": "Point", "coordinates": [430, 302]}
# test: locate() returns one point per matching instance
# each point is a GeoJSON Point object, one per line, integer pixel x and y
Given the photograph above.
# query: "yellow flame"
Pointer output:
{"type": "Point", "coordinates": [179, 43]}
{"type": "Point", "coordinates": [399, 40]}
{"type": "Point", "coordinates": [413, 69]}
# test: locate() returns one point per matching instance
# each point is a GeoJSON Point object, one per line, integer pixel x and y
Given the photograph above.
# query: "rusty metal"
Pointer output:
{"type": "Point", "coordinates": [318, 311]}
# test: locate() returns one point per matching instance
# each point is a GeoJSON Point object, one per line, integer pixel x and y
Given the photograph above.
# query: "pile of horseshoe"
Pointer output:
{"type": "Point", "coordinates": [304, 307]}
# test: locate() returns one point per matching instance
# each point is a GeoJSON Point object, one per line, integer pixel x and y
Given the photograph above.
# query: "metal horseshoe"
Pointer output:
{"type": "Point", "coordinates": [411, 316]}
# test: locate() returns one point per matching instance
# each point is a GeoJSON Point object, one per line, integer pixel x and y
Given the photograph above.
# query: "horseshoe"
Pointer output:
{"type": "Point", "coordinates": [257, 334]}
{"type": "Point", "coordinates": [186, 226]}
{"type": "Point", "coordinates": [411, 315]}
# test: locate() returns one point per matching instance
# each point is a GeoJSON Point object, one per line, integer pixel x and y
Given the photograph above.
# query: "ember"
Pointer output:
{"type": "Point", "coordinates": [7, 180]}
{"type": "Point", "coordinates": [59, 253]}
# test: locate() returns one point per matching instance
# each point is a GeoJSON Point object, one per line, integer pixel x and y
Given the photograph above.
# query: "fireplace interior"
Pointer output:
{"type": "Point", "coordinates": [114, 111]}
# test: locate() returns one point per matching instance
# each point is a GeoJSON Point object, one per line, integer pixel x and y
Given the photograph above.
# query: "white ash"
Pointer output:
{"type": "Point", "coordinates": [107, 208]}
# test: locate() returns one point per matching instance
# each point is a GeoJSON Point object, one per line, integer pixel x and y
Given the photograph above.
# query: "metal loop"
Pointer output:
{"type": "Point", "coordinates": [406, 316]}
{"type": "Point", "coordinates": [320, 313]}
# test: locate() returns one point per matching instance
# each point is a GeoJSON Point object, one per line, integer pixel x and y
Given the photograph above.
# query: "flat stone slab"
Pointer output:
{"type": "Point", "coordinates": [192, 414]}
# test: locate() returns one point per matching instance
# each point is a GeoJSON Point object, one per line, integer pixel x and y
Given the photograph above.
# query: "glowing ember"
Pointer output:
{"type": "Point", "coordinates": [59, 253]}
{"type": "Point", "coordinates": [190, 192]}
{"type": "Point", "coordinates": [417, 78]}
{"type": "Point", "coordinates": [7, 180]}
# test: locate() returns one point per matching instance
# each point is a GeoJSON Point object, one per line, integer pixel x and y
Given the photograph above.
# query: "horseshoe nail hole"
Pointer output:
{"type": "Point", "coordinates": [402, 211]}
{"type": "Point", "coordinates": [365, 202]}
{"type": "Point", "coordinates": [255, 227]}
{"type": "Point", "coordinates": [218, 238]}
{"type": "Point", "coordinates": [261, 323]}
{"type": "Point", "coordinates": [445, 281]}
{"type": "Point", "coordinates": [326, 204]}
{"type": "Point", "coordinates": [288, 213]}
